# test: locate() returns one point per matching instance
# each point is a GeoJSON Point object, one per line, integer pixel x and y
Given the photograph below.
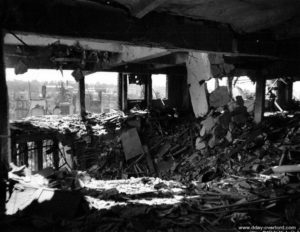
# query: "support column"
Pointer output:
{"type": "Point", "coordinates": [229, 85]}
{"type": "Point", "coordinates": [122, 92]}
{"type": "Point", "coordinates": [148, 90]}
{"type": "Point", "coordinates": [285, 93]}
{"type": "Point", "coordinates": [4, 129]}
{"type": "Point", "coordinates": [82, 97]}
{"type": "Point", "coordinates": [40, 158]}
{"type": "Point", "coordinates": [55, 154]}
{"type": "Point", "coordinates": [178, 91]}
{"type": "Point", "coordinates": [23, 151]}
{"type": "Point", "coordinates": [259, 106]}
{"type": "Point", "coordinates": [290, 92]}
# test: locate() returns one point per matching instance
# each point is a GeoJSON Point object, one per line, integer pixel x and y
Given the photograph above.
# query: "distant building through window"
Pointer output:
{"type": "Point", "coordinates": [159, 87]}
{"type": "Point", "coordinates": [296, 90]}
{"type": "Point", "coordinates": [53, 92]}
{"type": "Point", "coordinates": [136, 89]}
{"type": "Point", "coordinates": [101, 92]}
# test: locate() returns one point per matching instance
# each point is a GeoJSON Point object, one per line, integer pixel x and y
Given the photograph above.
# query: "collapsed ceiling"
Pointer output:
{"type": "Point", "coordinates": [154, 35]}
{"type": "Point", "coordinates": [280, 16]}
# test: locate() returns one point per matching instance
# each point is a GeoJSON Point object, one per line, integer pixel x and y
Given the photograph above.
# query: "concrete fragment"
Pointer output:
{"type": "Point", "coordinates": [198, 71]}
{"type": "Point", "coordinates": [208, 124]}
{"type": "Point", "coordinates": [219, 97]}
{"type": "Point", "coordinates": [224, 119]}
{"type": "Point", "coordinates": [44, 202]}
{"type": "Point", "coordinates": [200, 144]}
{"type": "Point", "coordinates": [219, 132]}
{"type": "Point", "coordinates": [229, 136]}
{"type": "Point", "coordinates": [164, 166]}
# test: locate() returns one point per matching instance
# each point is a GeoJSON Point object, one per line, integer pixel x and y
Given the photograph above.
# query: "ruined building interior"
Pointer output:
{"type": "Point", "coordinates": [214, 149]}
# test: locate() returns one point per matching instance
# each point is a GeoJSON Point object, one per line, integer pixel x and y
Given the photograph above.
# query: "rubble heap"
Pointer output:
{"type": "Point", "coordinates": [220, 171]}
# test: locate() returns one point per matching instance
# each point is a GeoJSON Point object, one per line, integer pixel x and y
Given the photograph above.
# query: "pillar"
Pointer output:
{"type": "Point", "coordinates": [38, 155]}
{"type": "Point", "coordinates": [285, 93]}
{"type": "Point", "coordinates": [148, 90]}
{"type": "Point", "coordinates": [259, 99]}
{"type": "Point", "coordinates": [82, 97]}
{"type": "Point", "coordinates": [4, 129]}
{"type": "Point", "coordinates": [229, 85]}
{"type": "Point", "coordinates": [176, 85]}
{"type": "Point", "coordinates": [122, 91]}
{"type": "Point", "coordinates": [55, 154]}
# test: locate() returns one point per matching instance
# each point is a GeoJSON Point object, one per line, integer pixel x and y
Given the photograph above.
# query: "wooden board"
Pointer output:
{"type": "Point", "coordinates": [131, 143]}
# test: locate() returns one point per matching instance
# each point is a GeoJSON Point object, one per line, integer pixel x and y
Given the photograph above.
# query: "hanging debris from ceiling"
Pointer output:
{"type": "Point", "coordinates": [21, 68]}
{"type": "Point", "coordinates": [77, 56]}
{"type": "Point", "coordinates": [198, 71]}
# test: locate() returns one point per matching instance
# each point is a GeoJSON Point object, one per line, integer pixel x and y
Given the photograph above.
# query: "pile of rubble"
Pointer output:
{"type": "Point", "coordinates": [161, 144]}
{"type": "Point", "coordinates": [152, 204]}
{"type": "Point", "coordinates": [161, 172]}
{"type": "Point", "coordinates": [99, 124]}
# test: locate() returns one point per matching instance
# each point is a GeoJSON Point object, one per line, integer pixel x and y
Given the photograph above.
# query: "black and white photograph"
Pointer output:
{"type": "Point", "coordinates": [150, 115]}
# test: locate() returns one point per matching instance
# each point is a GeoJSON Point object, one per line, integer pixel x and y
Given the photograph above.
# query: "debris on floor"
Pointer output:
{"type": "Point", "coordinates": [184, 174]}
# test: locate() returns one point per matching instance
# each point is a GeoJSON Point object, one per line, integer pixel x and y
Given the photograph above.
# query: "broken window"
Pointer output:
{"type": "Point", "coordinates": [241, 86]}
{"type": "Point", "coordinates": [159, 86]}
{"type": "Point", "coordinates": [54, 92]}
{"type": "Point", "coordinates": [296, 90]}
{"type": "Point", "coordinates": [101, 92]}
{"type": "Point", "coordinates": [40, 92]}
{"type": "Point", "coordinates": [213, 83]}
{"type": "Point", "coordinates": [136, 87]}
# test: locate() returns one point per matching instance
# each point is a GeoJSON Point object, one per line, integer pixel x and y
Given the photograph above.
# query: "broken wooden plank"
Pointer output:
{"type": "Point", "coordinates": [149, 160]}
{"type": "Point", "coordinates": [286, 168]}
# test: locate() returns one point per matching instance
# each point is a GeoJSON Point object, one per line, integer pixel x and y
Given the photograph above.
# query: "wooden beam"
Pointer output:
{"type": "Point", "coordinates": [259, 104]}
{"type": "Point", "coordinates": [143, 7]}
{"type": "Point", "coordinates": [4, 131]}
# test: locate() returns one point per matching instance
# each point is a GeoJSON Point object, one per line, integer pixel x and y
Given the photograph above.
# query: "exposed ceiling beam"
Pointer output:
{"type": "Point", "coordinates": [143, 7]}
{"type": "Point", "coordinates": [108, 23]}
{"type": "Point", "coordinates": [42, 40]}
{"type": "Point", "coordinates": [176, 58]}
{"type": "Point", "coordinates": [131, 54]}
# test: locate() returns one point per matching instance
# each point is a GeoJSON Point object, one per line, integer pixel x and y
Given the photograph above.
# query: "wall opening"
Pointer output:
{"type": "Point", "coordinates": [52, 92]}
{"type": "Point", "coordinates": [159, 86]}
